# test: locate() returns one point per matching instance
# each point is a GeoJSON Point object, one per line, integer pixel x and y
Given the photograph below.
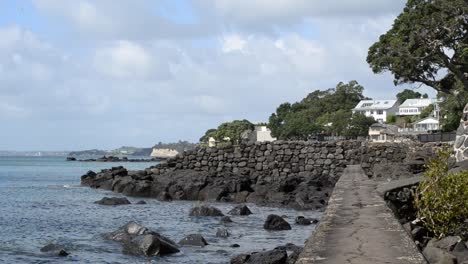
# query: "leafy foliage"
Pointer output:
{"type": "Point", "coordinates": [409, 94]}
{"type": "Point", "coordinates": [451, 108]}
{"type": "Point", "coordinates": [231, 130]}
{"type": "Point", "coordinates": [320, 112]}
{"type": "Point", "coordinates": [442, 197]}
{"type": "Point", "coordinates": [427, 111]}
{"type": "Point", "coordinates": [428, 43]}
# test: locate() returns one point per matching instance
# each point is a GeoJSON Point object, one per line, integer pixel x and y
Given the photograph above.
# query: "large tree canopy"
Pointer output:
{"type": "Point", "coordinates": [428, 44]}
{"type": "Point", "coordinates": [320, 112]}
{"type": "Point", "coordinates": [231, 130]}
{"type": "Point", "coordinates": [409, 94]}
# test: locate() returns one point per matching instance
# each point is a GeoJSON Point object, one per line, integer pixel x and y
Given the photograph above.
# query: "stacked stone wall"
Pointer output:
{"type": "Point", "coordinates": [281, 159]}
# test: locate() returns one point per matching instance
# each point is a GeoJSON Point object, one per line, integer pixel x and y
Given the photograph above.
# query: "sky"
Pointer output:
{"type": "Point", "coordinates": [82, 74]}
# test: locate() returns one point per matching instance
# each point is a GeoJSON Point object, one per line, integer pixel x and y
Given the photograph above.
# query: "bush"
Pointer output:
{"type": "Point", "coordinates": [391, 119]}
{"type": "Point", "coordinates": [442, 200]}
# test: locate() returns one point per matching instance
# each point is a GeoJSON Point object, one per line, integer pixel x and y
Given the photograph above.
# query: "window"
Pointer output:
{"type": "Point", "coordinates": [366, 104]}
{"type": "Point", "coordinates": [371, 112]}
{"type": "Point", "coordinates": [380, 112]}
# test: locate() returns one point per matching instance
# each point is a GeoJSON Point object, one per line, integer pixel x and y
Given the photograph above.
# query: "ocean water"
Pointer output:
{"type": "Point", "coordinates": [41, 201]}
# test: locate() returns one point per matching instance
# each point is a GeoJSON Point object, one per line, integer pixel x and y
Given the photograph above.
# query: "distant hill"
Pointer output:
{"type": "Point", "coordinates": [134, 151]}
{"type": "Point", "coordinates": [180, 146]}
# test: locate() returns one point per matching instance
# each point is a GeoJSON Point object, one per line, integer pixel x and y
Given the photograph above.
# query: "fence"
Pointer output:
{"type": "Point", "coordinates": [437, 137]}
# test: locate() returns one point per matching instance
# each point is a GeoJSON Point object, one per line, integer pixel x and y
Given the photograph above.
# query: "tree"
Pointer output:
{"type": "Point", "coordinates": [451, 108]}
{"type": "Point", "coordinates": [358, 126]}
{"type": "Point", "coordinates": [427, 111]}
{"type": "Point", "coordinates": [209, 133]}
{"type": "Point", "coordinates": [428, 44]}
{"type": "Point", "coordinates": [231, 130]}
{"type": "Point", "coordinates": [327, 111]}
{"type": "Point", "coordinates": [407, 94]}
{"type": "Point", "coordinates": [391, 119]}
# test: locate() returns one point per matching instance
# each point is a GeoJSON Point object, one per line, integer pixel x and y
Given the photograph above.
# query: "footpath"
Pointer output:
{"type": "Point", "coordinates": [358, 227]}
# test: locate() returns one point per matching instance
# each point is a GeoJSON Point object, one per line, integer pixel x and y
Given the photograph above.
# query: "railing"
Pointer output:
{"type": "Point", "coordinates": [437, 137]}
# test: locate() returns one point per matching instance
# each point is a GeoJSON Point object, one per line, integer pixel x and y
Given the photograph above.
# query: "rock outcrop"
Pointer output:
{"type": "Point", "coordinates": [139, 240]}
{"type": "Point", "coordinates": [113, 201]}
{"type": "Point", "coordinates": [276, 223]}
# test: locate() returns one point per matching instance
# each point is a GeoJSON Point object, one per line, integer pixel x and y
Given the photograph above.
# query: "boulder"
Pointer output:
{"type": "Point", "coordinates": [434, 254]}
{"type": "Point", "coordinates": [113, 201]}
{"type": "Point", "coordinates": [55, 249]}
{"type": "Point", "coordinates": [275, 256]}
{"type": "Point", "coordinates": [149, 245]}
{"type": "Point", "coordinates": [275, 223]}
{"type": "Point", "coordinates": [139, 240]}
{"type": "Point", "coordinates": [140, 202]}
{"type": "Point", "coordinates": [222, 232]}
{"type": "Point", "coordinates": [225, 220]}
{"type": "Point", "coordinates": [195, 240]}
{"type": "Point", "coordinates": [205, 211]}
{"type": "Point", "coordinates": [240, 210]}
{"type": "Point", "coordinates": [301, 220]}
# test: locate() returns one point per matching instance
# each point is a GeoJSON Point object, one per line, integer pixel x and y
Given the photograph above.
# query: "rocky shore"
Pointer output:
{"type": "Point", "coordinates": [115, 159]}
{"type": "Point", "coordinates": [450, 249]}
{"type": "Point", "coordinates": [299, 175]}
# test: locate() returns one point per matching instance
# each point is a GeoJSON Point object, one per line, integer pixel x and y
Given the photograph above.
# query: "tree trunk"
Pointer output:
{"type": "Point", "coordinates": [461, 141]}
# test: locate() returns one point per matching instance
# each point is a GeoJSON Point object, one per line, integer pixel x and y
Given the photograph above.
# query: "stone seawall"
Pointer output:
{"type": "Point", "coordinates": [279, 159]}
{"type": "Point", "coordinates": [298, 174]}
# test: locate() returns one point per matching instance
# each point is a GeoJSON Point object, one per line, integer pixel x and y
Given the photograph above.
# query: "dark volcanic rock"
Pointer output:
{"type": "Point", "coordinates": [205, 211]}
{"type": "Point", "coordinates": [139, 240]}
{"type": "Point", "coordinates": [55, 249]}
{"type": "Point", "coordinates": [140, 202]}
{"type": "Point", "coordinates": [113, 201]}
{"type": "Point", "coordinates": [71, 159]}
{"type": "Point", "coordinates": [225, 220]}
{"type": "Point", "coordinates": [222, 232]}
{"type": "Point", "coordinates": [275, 222]}
{"type": "Point", "coordinates": [275, 256]}
{"type": "Point", "coordinates": [195, 240]}
{"type": "Point", "coordinates": [301, 220]}
{"type": "Point", "coordinates": [240, 210]}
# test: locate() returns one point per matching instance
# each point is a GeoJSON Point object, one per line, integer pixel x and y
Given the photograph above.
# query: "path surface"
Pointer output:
{"type": "Point", "coordinates": [358, 227]}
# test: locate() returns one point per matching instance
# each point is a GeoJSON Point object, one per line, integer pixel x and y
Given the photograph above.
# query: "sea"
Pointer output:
{"type": "Point", "coordinates": [41, 202]}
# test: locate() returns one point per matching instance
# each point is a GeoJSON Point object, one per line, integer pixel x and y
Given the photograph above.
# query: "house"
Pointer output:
{"type": "Point", "coordinates": [260, 133]}
{"type": "Point", "coordinates": [426, 124]}
{"type": "Point", "coordinates": [413, 107]}
{"type": "Point", "coordinates": [378, 109]}
{"type": "Point", "coordinates": [379, 132]}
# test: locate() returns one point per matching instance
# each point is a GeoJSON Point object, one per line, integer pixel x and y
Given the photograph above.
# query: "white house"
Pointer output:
{"type": "Point", "coordinates": [259, 134]}
{"type": "Point", "coordinates": [378, 109]}
{"type": "Point", "coordinates": [413, 107]}
{"type": "Point", "coordinates": [382, 132]}
{"type": "Point", "coordinates": [426, 124]}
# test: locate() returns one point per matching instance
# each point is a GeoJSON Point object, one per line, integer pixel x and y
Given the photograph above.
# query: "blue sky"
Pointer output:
{"type": "Point", "coordinates": [80, 74]}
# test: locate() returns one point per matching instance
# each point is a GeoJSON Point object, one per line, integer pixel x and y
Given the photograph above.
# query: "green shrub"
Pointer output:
{"type": "Point", "coordinates": [442, 200]}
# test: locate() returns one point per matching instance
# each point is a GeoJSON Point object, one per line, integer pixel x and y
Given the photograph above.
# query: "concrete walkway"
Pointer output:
{"type": "Point", "coordinates": [358, 227]}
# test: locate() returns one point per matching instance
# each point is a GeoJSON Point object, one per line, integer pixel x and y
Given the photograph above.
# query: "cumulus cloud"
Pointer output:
{"type": "Point", "coordinates": [123, 59]}
{"type": "Point", "coordinates": [127, 66]}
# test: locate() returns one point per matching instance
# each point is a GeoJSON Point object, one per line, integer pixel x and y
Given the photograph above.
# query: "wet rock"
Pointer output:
{"type": "Point", "coordinates": [140, 202]}
{"type": "Point", "coordinates": [225, 220]}
{"type": "Point", "coordinates": [71, 159]}
{"type": "Point", "coordinates": [194, 240]}
{"type": "Point", "coordinates": [275, 256]}
{"type": "Point", "coordinates": [205, 211]}
{"type": "Point", "coordinates": [301, 220]}
{"type": "Point", "coordinates": [113, 201]}
{"type": "Point", "coordinates": [275, 222]}
{"type": "Point", "coordinates": [55, 249]}
{"type": "Point", "coordinates": [149, 245]}
{"type": "Point", "coordinates": [240, 210]}
{"type": "Point", "coordinates": [222, 232]}
{"type": "Point", "coordinates": [235, 245]}
{"type": "Point", "coordinates": [139, 240]}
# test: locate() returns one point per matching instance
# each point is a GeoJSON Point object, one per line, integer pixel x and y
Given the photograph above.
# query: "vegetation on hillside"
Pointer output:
{"type": "Point", "coordinates": [451, 108]}
{"type": "Point", "coordinates": [322, 112]}
{"type": "Point", "coordinates": [231, 130]}
{"type": "Point", "coordinates": [409, 94]}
